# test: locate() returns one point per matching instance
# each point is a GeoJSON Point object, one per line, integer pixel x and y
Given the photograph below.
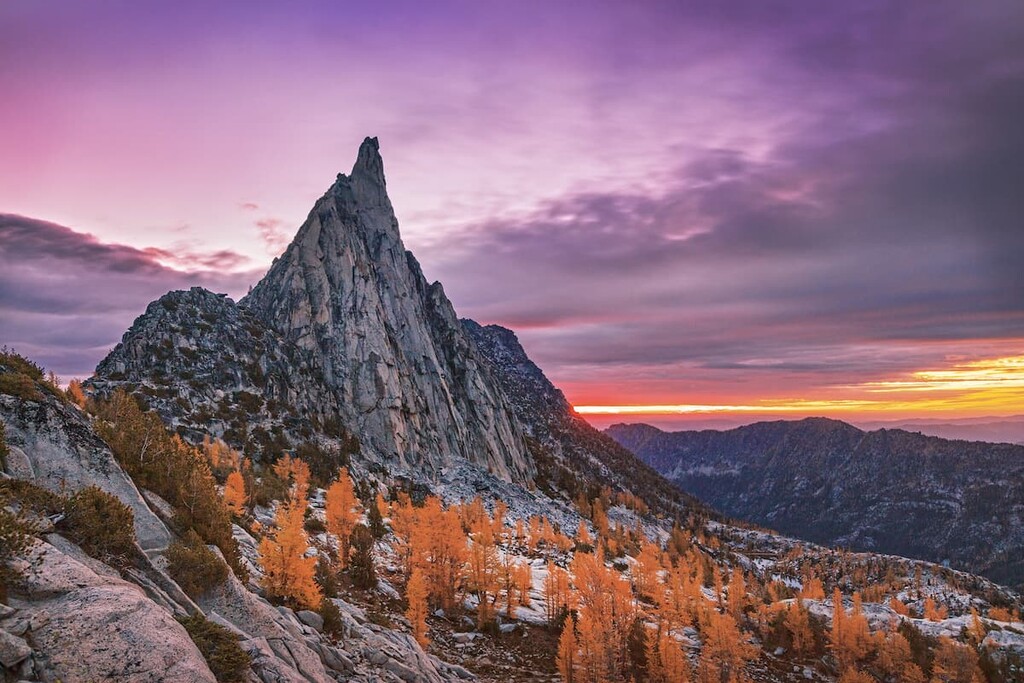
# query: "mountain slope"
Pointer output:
{"type": "Point", "coordinates": [577, 450]}
{"type": "Point", "coordinates": [827, 481]}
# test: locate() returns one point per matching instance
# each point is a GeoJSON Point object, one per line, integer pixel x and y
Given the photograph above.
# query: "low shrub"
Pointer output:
{"type": "Point", "coordinates": [225, 657]}
{"type": "Point", "coordinates": [101, 525]}
{"type": "Point", "coordinates": [15, 538]}
{"type": "Point", "coordinates": [333, 624]}
{"type": "Point", "coordinates": [31, 496]}
{"type": "Point", "coordinates": [194, 566]}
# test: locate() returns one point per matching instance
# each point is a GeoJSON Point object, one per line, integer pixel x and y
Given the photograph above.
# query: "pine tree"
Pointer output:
{"type": "Point", "coordinates": [374, 517]}
{"type": "Point", "coordinates": [416, 596]}
{"type": "Point", "coordinates": [361, 567]}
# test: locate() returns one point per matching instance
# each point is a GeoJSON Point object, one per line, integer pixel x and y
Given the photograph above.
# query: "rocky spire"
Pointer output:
{"type": "Point", "coordinates": [367, 178]}
{"type": "Point", "coordinates": [410, 382]}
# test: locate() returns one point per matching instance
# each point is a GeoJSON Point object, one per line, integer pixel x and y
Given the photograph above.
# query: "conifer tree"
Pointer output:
{"type": "Point", "coordinates": [288, 574]}
{"type": "Point", "coordinates": [483, 570]}
{"type": "Point", "coordinates": [341, 509]}
{"type": "Point", "coordinates": [524, 584]}
{"type": "Point", "coordinates": [798, 623]}
{"type": "Point", "coordinates": [567, 653]}
{"type": "Point", "coordinates": [416, 596]}
{"type": "Point", "coordinates": [648, 563]}
{"type": "Point", "coordinates": [234, 493]}
{"type": "Point", "coordinates": [725, 652]}
{"type": "Point", "coordinates": [557, 595]}
{"type": "Point", "coordinates": [955, 663]}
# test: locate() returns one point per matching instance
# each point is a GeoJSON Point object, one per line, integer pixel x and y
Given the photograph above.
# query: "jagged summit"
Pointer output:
{"type": "Point", "coordinates": [368, 172]}
{"type": "Point", "coordinates": [348, 302]}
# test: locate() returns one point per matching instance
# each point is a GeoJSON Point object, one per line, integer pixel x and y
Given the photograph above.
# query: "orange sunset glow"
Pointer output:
{"type": "Point", "coordinates": [993, 386]}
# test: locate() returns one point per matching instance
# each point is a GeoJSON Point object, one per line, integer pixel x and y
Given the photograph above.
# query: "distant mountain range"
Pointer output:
{"type": "Point", "coordinates": [990, 429]}
{"type": "Point", "coordinates": [888, 490]}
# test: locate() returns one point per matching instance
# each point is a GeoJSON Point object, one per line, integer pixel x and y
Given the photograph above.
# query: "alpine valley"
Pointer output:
{"type": "Point", "coordinates": [337, 479]}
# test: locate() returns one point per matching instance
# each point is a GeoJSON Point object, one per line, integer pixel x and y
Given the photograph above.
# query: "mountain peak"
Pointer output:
{"type": "Point", "coordinates": [367, 178]}
{"type": "Point", "coordinates": [386, 343]}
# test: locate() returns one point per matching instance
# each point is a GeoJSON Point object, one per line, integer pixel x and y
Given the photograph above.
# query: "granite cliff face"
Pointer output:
{"type": "Point", "coordinates": [343, 336]}
{"type": "Point", "coordinates": [887, 491]}
{"type": "Point", "coordinates": [407, 377]}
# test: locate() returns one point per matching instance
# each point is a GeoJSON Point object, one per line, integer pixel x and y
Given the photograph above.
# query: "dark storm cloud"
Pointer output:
{"type": "Point", "coordinates": [66, 297]}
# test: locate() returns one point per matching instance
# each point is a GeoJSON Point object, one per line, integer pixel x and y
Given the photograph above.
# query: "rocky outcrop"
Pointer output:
{"type": "Point", "coordinates": [82, 626]}
{"type": "Point", "coordinates": [210, 367]}
{"type": "Point", "coordinates": [567, 446]}
{"type": "Point", "coordinates": [53, 444]}
{"type": "Point", "coordinates": [827, 481]}
{"type": "Point", "coordinates": [409, 380]}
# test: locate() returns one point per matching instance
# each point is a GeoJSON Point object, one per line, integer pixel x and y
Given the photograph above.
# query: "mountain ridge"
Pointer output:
{"type": "Point", "coordinates": [830, 482]}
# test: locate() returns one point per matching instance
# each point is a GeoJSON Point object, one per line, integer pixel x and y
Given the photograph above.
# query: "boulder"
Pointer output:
{"type": "Point", "coordinates": [13, 650]}
{"type": "Point", "coordinates": [89, 627]}
{"type": "Point", "coordinates": [311, 619]}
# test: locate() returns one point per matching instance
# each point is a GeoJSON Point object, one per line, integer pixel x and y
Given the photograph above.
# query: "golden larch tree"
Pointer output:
{"type": "Point", "coordinates": [288, 573]}
{"type": "Point", "coordinates": [342, 510]}
{"type": "Point", "coordinates": [416, 613]}
{"type": "Point", "coordinates": [567, 652]}
{"type": "Point", "coordinates": [234, 493]}
{"type": "Point", "coordinates": [725, 650]}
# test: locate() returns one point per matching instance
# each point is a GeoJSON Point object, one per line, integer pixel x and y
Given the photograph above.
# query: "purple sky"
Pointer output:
{"type": "Point", "coordinates": [700, 203]}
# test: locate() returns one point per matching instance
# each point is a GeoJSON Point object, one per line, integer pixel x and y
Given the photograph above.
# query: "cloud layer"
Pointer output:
{"type": "Point", "coordinates": [672, 202]}
{"type": "Point", "coordinates": [66, 297]}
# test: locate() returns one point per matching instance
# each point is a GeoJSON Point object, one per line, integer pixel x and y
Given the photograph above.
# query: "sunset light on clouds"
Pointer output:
{"type": "Point", "coordinates": [775, 208]}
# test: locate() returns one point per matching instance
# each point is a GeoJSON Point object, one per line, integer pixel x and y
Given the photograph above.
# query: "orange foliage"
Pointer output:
{"type": "Point", "coordinates": [933, 612]}
{"type": "Point", "coordinates": [725, 651]}
{"type": "Point", "coordinates": [645, 571]}
{"type": "Point", "coordinates": [342, 509]}
{"type": "Point", "coordinates": [234, 493]}
{"type": "Point", "coordinates": [416, 613]}
{"type": "Point", "coordinates": [288, 573]}
{"type": "Point", "coordinates": [557, 595]}
{"type": "Point", "coordinates": [483, 570]}
{"type": "Point", "coordinates": [798, 623]}
{"type": "Point", "coordinates": [812, 589]}
{"type": "Point", "coordinates": [898, 606]}
{"type": "Point", "coordinates": [666, 662]}
{"type": "Point", "coordinates": [567, 652]}
{"type": "Point", "coordinates": [955, 663]}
